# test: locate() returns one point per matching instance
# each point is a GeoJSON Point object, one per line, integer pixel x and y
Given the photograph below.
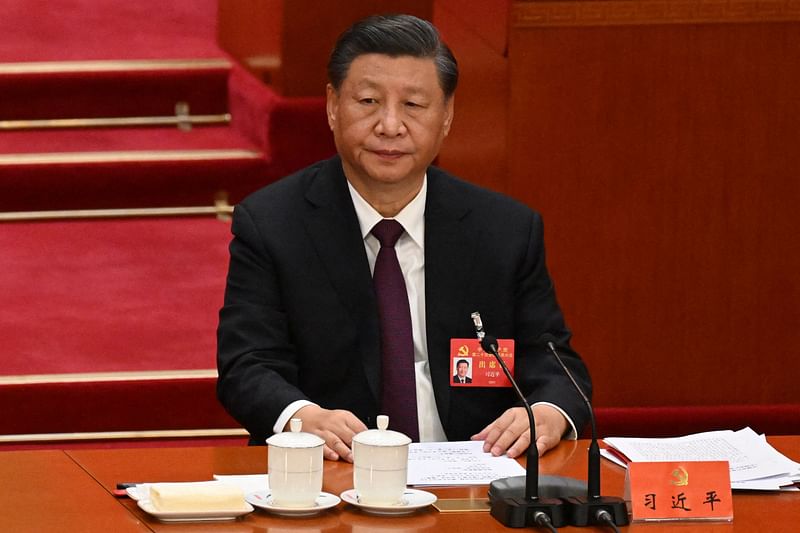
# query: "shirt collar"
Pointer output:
{"type": "Point", "coordinates": [412, 216]}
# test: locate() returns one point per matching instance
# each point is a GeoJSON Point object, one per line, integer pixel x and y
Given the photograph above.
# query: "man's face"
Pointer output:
{"type": "Point", "coordinates": [462, 370]}
{"type": "Point", "coordinates": [389, 119]}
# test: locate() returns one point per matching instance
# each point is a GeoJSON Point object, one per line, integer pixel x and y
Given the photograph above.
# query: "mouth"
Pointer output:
{"type": "Point", "coordinates": [388, 154]}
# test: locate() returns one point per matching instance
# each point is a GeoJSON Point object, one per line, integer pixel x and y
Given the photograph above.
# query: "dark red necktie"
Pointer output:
{"type": "Point", "coordinates": [399, 385]}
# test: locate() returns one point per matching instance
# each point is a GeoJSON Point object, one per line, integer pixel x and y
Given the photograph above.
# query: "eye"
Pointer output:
{"type": "Point", "coordinates": [367, 101]}
{"type": "Point", "coordinates": [412, 104]}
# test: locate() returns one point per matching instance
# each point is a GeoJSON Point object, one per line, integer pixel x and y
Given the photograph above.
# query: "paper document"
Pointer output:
{"type": "Point", "coordinates": [754, 464]}
{"type": "Point", "coordinates": [457, 463]}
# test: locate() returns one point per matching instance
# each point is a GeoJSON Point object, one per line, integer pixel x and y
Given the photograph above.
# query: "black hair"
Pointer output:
{"type": "Point", "coordinates": [393, 35]}
{"type": "Point", "coordinates": [462, 361]}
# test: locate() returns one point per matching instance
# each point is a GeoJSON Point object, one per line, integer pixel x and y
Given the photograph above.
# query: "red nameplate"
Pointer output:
{"type": "Point", "coordinates": [478, 368]}
{"type": "Point", "coordinates": [680, 490]}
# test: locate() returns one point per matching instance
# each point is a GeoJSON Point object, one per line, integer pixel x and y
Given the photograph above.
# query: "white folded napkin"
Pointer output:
{"type": "Point", "coordinates": [196, 496]}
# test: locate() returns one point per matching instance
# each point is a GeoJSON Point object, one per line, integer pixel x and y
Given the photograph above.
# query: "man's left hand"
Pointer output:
{"type": "Point", "coordinates": [510, 433]}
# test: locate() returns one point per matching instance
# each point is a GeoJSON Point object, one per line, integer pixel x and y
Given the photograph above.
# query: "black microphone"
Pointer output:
{"type": "Point", "coordinates": [593, 508]}
{"type": "Point", "coordinates": [516, 501]}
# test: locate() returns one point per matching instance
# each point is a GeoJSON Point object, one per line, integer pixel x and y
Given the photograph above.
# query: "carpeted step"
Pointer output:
{"type": "Point", "coordinates": [84, 409]}
{"type": "Point", "coordinates": [269, 136]}
{"type": "Point", "coordinates": [80, 30]}
{"type": "Point", "coordinates": [115, 58]}
{"type": "Point", "coordinates": [110, 325]}
{"type": "Point", "coordinates": [127, 167]}
{"type": "Point", "coordinates": [112, 295]}
{"type": "Point", "coordinates": [104, 89]}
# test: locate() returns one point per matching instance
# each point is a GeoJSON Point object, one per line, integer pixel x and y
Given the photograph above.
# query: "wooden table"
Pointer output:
{"type": "Point", "coordinates": [47, 491]}
{"type": "Point", "coordinates": [70, 491]}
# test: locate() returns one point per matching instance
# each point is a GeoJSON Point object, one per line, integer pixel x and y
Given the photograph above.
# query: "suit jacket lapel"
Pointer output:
{"type": "Point", "coordinates": [450, 251]}
{"type": "Point", "coordinates": [333, 227]}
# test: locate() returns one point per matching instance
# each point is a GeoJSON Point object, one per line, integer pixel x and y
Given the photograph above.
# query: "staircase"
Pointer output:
{"type": "Point", "coordinates": [147, 133]}
{"type": "Point", "coordinates": [124, 130]}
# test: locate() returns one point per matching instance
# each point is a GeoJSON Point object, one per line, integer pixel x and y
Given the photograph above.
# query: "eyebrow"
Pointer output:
{"type": "Point", "coordinates": [409, 90]}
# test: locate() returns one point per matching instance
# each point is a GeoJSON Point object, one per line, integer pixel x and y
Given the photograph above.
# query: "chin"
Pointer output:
{"type": "Point", "coordinates": [390, 175]}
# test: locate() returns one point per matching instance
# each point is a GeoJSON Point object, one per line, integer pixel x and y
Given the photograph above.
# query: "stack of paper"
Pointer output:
{"type": "Point", "coordinates": [457, 463]}
{"type": "Point", "coordinates": [754, 464]}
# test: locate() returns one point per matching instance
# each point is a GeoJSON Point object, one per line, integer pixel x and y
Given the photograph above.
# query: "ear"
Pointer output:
{"type": "Point", "coordinates": [449, 111]}
{"type": "Point", "coordinates": [332, 105]}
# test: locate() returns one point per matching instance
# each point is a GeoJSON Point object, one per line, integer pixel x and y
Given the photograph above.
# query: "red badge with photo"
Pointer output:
{"type": "Point", "coordinates": [470, 366]}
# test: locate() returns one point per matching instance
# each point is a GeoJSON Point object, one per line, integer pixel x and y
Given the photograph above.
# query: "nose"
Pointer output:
{"type": "Point", "coordinates": [390, 123]}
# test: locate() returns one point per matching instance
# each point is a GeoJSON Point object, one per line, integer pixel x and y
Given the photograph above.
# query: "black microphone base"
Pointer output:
{"type": "Point", "coordinates": [510, 508]}
{"type": "Point", "coordinates": [583, 511]}
{"type": "Point", "coordinates": [518, 512]}
{"type": "Point", "coordinates": [548, 487]}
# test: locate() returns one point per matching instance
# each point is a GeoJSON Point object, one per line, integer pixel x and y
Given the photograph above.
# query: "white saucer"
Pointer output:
{"type": "Point", "coordinates": [413, 499]}
{"type": "Point", "coordinates": [194, 516]}
{"type": "Point", "coordinates": [263, 500]}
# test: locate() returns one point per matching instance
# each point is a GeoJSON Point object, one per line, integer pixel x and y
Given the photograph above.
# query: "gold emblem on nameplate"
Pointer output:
{"type": "Point", "coordinates": [680, 477]}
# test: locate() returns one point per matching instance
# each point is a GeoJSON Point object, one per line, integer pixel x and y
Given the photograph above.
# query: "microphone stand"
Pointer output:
{"type": "Point", "coordinates": [592, 509]}
{"type": "Point", "coordinates": [509, 504]}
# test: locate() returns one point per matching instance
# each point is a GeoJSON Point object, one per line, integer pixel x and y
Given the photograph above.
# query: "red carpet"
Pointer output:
{"type": "Point", "coordinates": [112, 296]}
{"type": "Point", "coordinates": [115, 295]}
{"type": "Point", "coordinates": [68, 30]}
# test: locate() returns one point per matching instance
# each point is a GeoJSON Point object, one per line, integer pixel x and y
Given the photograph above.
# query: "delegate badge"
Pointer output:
{"type": "Point", "coordinates": [470, 366]}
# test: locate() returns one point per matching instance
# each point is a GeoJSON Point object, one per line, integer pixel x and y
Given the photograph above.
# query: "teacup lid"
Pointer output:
{"type": "Point", "coordinates": [295, 438]}
{"type": "Point", "coordinates": [382, 436]}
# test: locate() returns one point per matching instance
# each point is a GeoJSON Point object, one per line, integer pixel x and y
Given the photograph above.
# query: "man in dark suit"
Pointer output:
{"type": "Point", "coordinates": [302, 328]}
{"type": "Point", "coordinates": [462, 367]}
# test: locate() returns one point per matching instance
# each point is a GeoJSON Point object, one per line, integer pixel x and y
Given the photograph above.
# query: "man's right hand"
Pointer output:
{"type": "Point", "coordinates": [337, 427]}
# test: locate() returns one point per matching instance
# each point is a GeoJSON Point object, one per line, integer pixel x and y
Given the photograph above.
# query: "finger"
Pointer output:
{"type": "Point", "coordinates": [516, 424]}
{"type": "Point", "coordinates": [350, 429]}
{"type": "Point", "coordinates": [494, 431]}
{"type": "Point", "coordinates": [481, 435]}
{"type": "Point", "coordinates": [541, 447]}
{"type": "Point", "coordinates": [505, 440]}
{"type": "Point", "coordinates": [492, 436]}
{"type": "Point", "coordinates": [520, 445]}
{"type": "Point", "coordinates": [355, 425]}
{"type": "Point", "coordinates": [343, 451]}
{"type": "Point", "coordinates": [329, 454]}
{"type": "Point", "coordinates": [546, 442]}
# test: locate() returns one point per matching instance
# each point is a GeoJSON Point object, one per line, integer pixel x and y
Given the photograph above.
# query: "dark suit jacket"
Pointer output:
{"type": "Point", "coordinates": [299, 319]}
{"type": "Point", "coordinates": [466, 379]}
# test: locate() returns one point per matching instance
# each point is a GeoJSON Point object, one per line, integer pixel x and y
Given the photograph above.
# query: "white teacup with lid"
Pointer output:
{"type": "Point", "coordinates": [380, 464]}
{"type": "Point", "coordinates": [295, 466]}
